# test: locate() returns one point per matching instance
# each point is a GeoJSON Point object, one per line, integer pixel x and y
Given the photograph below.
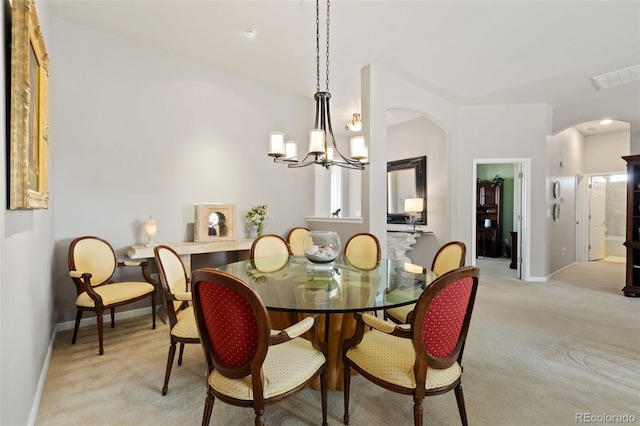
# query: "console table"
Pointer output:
{"type": "Point", "coordinates": [186, 249]}
{"type": "Point", "coordinates": [399, 242]}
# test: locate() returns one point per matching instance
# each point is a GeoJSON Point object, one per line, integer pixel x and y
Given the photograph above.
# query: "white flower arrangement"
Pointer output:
{"type": "Point", "coordinates": [259, 217]}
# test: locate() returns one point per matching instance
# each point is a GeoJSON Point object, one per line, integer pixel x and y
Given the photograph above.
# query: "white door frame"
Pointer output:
{"type": "Point", "coordinates": [524, 238]}
{"type": "Point", "coordinates": [582, 221]}
{"type": "Point", "coordinates": [582, 217]}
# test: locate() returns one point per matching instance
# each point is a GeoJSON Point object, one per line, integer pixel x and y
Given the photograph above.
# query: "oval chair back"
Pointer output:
{"type": "Point", "coordinates": [295, 238]}
{"type": "Point", "coordinates": [182, 322]}
{"type": "Point", "coordinates": [449, 257]}
{"type": "Point", "coordinates": [363, 251]}
{"type": "Point", "coordinates": [269, 253]}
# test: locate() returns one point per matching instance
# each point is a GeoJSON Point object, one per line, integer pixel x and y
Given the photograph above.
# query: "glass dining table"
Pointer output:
{"type": "Point", "coordinates": [295, 287]}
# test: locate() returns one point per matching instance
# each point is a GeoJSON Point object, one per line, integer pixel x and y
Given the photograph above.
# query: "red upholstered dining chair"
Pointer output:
{"type": "Point", "coordinates": [448, 257]}
{"type": "Point", "coordinates": [421, 360]}
{"type": "Point", "coordinates": [363, 250]}
{"type": "Point", "coordinates": [295, 238]}
{"type": "Point", "coordinates": [269, 253]}
{"type": "Point", "coordinates": [92, 264]}
{"type": "Point", "coordinates": [182, 321]}
{"type": "Point", "coordinates": [249, 364]}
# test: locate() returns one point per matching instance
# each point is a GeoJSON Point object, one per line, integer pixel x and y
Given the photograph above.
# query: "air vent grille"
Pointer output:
{"type": "Point", "coordinates": [617, 78]}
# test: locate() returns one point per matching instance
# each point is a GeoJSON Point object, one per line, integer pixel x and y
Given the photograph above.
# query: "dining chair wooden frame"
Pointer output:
{"type": "Point", "coordinates": [250, 365]}
{"type": "Point", "coordinates": [182, 322]}
{"type": "Point", "coordinates": [269, 253]}
{"type": "Point", "coordinates": [295, 239]}
{"type": "Point", "coordinates": [363, 251]}
{"type": "Point", "coordinates": [424, 359]}
{"type": "Point", "coordinates": [448, 257]}
{"type": "Point", "coordinates": [92, 265]}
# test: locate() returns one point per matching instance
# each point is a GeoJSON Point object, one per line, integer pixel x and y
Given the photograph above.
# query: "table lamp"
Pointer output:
{"type": "Point", "coordinates": [151, 228]}
{"type": "Point", "coordinates": [413, 207]}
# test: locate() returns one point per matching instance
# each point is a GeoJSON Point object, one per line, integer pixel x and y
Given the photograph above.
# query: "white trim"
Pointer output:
{"type": "Point", "coordinates": [526, 211]}
{"type": "Point", "coordinates": [357, 220]}
{"type": "Point", "coordinates": [35, 406]}
{"type": "Point", "coordinates": [68, 325]}
{"type": "Point", "coordinates": [553, 274]}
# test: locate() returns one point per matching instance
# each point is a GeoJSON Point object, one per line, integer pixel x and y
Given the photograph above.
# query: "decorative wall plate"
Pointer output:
{"type": "Point", "coordinates": [556, 190]}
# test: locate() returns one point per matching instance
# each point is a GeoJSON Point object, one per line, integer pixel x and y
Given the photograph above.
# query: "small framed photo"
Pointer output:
{"type": "Point", "coordinates": [214, 222]}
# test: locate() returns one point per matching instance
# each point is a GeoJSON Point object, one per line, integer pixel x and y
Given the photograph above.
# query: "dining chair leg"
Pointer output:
{"type": "Point", "coordinates": [153, 310]}
{"type": "Point", "coordinates": [113, 317]}
{"type": "Point", "coordinates": [417, 412]}
{"type": "Point", "coordinates": [460, 400]}
{"type": "Point", "coordinates": [208, 407]}
{"type": "Point", "coordinates": [181, 352]}
{"type": "Point", "coordinates": [77, 326]}
{"type": "Point", "coordinates": [259, 417]}
{"type": "Point", "coordinates": [323, 393]}
{"type": "Point", "coordinates": [347, 383]}
{"type": "Point", "coordinates": [167, 374]}
{"type": "Point", "coordinates": [99, 321]}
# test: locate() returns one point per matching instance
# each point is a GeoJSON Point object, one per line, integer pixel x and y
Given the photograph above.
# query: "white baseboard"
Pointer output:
{"type": "Point", "coordinates": [91, 320]}
{"type": "Point", "coordinates": [33, 415]}
{"type": "Point", "coordinates": [68, 325]}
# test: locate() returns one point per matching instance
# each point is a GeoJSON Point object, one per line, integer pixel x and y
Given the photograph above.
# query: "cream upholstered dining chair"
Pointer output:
{"type": "Point", "coordinates": [448, 257]}
{"type": "Point", "coordinates": [92, 265]}
{"type": "Point", "coordinates": [182, 322]}
{"type": "Point", "coordinates": [295, 238]}
{"type": "Point", "coordinates": [269, 253]}
{"type": "Point", "coordinates": [363, 251]}
{"type": "Point", "coordinates": [424, 359]}
{"type": "Point", "coordinates": [249, 364]}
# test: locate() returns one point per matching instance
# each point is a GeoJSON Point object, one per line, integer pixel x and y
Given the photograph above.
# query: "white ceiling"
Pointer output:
{"type": "Point", "coordinates": [470, 52]}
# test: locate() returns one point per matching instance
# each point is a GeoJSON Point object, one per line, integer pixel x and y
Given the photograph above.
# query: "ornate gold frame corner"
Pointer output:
{"type": "Point", "coordinates": [29, 134]}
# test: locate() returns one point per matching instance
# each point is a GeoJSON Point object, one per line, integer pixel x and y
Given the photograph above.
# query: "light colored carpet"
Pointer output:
{"type": "Point", "coordinates": [536, 354]}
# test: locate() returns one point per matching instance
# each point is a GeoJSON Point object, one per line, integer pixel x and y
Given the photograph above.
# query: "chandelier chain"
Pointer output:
{"type": "Point", "coordinates": [328, 20]}
{"type": "Point", "coordinates": [317, 46]}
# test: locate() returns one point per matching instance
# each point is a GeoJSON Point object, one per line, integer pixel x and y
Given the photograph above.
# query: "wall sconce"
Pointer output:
{"type": "Point", "coordinates": [151, 228]}
{"type": "Point", "coordinates": [413, 207]}
{"type": "Point", "coordinates": [355, 125]}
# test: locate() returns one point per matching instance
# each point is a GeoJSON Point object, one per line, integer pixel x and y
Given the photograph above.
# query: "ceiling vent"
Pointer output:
{"type": "Point", "coordinates": [617, 78]}
{"type": "Point", "coordinates": [592, 129]}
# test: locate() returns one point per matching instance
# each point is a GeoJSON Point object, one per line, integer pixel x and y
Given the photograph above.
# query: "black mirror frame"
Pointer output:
{"type": "Point", "coordinates": [420, 166]}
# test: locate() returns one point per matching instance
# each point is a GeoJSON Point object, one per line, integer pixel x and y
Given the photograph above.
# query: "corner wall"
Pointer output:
{"type": "Point", "coordinates": [26, 293]}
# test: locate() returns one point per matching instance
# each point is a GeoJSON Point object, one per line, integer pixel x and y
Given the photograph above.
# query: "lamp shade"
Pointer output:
{"type": "Point", "coordinates": [316, 142]}
{"type": "Point", "coordinates": [358, 151]}
{"type": "Point", "coordinates": [151, 228]}
{"type": "Point", "coordinates": [276, 145]}
{"type": "Point", "coordinates": [291, 150]}
{"type": "Point", "coordinates": [413, 205]}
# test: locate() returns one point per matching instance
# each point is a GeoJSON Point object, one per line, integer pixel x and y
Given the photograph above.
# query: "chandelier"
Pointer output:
{"type": "Point", "coordinates": [319, 152]}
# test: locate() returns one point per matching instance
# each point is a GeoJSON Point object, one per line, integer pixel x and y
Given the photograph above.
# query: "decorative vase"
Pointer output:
{"type": "Point", "coordinates": [259, 230]}
{"type": "Point", "coordinates": [253, 232]}
{"type": "Point", "coordinates": [321, 246]}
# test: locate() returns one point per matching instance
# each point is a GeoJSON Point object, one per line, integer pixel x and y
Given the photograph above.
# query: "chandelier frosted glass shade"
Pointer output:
{"type": "Point", "coordinates": [322, 149]}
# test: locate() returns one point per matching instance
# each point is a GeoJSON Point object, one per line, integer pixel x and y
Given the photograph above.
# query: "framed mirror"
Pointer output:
{"type": "Point", "coordinates": [406, 179]}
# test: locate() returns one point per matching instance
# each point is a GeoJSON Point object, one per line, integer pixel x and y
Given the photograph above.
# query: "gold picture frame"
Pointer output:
{"type": "Point", "coordinates": [29, 133]}
{"type": "Point", "coordinates": [214, 222]}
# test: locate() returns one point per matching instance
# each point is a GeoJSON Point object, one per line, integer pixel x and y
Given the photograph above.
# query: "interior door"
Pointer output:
{"type": "Point", "coordinates": [518, 205]}
{"type": "Point", "coordinates": [597, 225]}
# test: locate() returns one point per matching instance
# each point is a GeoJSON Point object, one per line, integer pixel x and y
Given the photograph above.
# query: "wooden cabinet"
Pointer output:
{"type": "Point", "coordinates": [632, 239]}
{"type": "Point", "coordinates": [489, 219]}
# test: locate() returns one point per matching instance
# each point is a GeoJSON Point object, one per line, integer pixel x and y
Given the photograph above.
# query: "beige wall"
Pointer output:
{"type": "Point", "coordinates": [416, 138]}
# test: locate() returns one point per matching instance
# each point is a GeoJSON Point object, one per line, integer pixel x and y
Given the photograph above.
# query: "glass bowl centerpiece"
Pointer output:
{"type": "Point", "coordinates": [322, 246]}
